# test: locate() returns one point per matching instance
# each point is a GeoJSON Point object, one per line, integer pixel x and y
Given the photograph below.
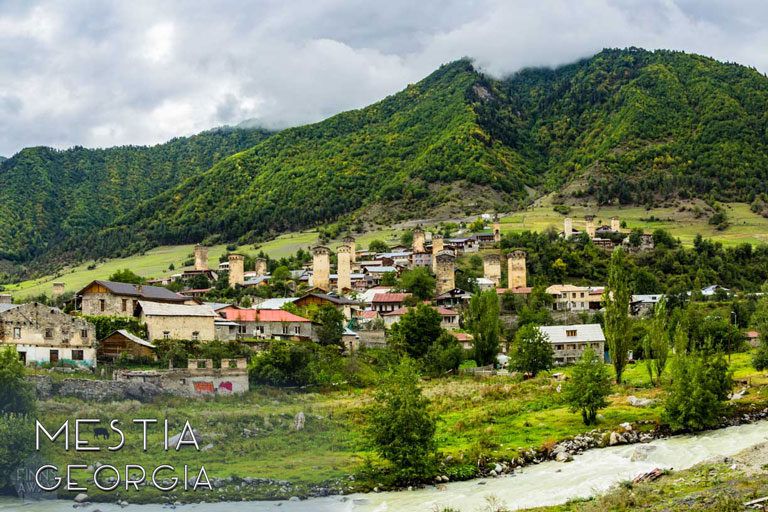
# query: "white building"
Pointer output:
{"type": "Point", "coordinates": [570, 341]}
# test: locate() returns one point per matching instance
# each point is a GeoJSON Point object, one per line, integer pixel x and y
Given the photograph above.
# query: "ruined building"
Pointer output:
{"type": "Point", "coordinates": [445, 272]}
{"type": "Point", "coordinates": [201, 257]}
{"type": "Point", "coordinates": [344, 268]}
{"type": "Point", "coordinates": [236, 270]}
{"type": "Point", "coordinates": [517, 276]}
{"type": "Point", "coordinates": [321, 268]}
{"type": "Point", "coordinates": [492, 268]}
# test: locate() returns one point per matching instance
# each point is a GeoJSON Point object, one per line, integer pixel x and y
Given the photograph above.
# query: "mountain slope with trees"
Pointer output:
{"type": "Point", "coordinates": [48, 196]}
{"type": "Point", "coordinates": [622, 127]}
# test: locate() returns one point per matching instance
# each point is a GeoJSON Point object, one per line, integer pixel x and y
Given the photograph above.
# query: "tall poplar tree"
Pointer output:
{"type": "Point", "coordinates": [617, 297]}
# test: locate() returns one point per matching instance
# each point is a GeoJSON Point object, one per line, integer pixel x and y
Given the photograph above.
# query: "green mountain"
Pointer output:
{"type": "Point", "coordinates": [48, 196]}
{"type": "Point", "coordinates": [624, 126]}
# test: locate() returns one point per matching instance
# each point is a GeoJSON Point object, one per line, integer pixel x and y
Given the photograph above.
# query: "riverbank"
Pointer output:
{"type": "Point", "coordinates": [489, 427]}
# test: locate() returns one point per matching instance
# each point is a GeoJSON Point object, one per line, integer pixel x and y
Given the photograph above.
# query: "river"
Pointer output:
{"type": "Point", "coordinates": [548, 483]}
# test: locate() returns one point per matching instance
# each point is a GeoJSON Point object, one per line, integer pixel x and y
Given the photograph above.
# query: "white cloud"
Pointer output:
{"type": "Point", "coordinates": [106, 73]}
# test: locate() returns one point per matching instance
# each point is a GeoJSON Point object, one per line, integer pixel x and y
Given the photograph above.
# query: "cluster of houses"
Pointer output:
{"type": "Point", "coordinates": [44, 334]}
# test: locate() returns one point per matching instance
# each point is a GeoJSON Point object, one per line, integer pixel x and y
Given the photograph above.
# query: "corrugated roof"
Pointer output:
{"type": "Point", "coordinates": [263, 315]}
{"type": "Point", "coordinates": [133, 338]}
{"type": "Point", "coordinates": [162, 309]}
{"type": "Point", "coordinates": [584, 332]}
{"type": "Point", "coordinates": [331, 298]}
{"type": "Point", "coordinates": [7, 307]}
{"type": "Point", "coordinates": [276, 303]}
{"type": "Point", "coordinates": [390, 297]}
{"type": "Point", "coordinates": [380, 269]}
{"type": "Point", "coordinates": [443, 311]}
{"type": "Point", "coordinates": [144, 291]}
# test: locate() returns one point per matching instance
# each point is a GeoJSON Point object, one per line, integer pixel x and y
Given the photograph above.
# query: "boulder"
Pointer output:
{"type": "Point", "coordinates": [81, 498]}
{"type": "Point", "coordinates": [564, 457]}
{"type": "Point", "coordinates": [298, 421]}
{"type": "Point", "coordinates": [640, 402]}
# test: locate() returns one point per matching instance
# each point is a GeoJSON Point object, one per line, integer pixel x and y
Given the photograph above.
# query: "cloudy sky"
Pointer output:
{"type": "Point", "coordinates": [99, 73]}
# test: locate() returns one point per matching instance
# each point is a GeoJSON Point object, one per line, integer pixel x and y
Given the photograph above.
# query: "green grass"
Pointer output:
{"type": "Point", "coordinates": [493, 418]}
{"type": "Point", "coordinates": [155, 263]}
{"type": "Point", "coordinates": [746, 226]}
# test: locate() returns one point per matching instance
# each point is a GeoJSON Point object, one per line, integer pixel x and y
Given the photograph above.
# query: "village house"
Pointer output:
{"type": "Point", "coordinates": [108, 298]}
{"type": "Point", "coordinates": [120, 342]}
{"type": "Point", "coordinates": [574, 299]}
{"type": "Point", "coordinates": [644, 304]}
{"type": "Point", "coordinates": [377, 273]}
{"type": "Point", "coordinates": [271, 324]}
{"type": "Point", "coordinates": [44, 334]}
{"type": "Point", "coordinates": [342, 304]}
{"type": "Point", "coordinates": [386, 302]}
{"type": "Point", "coordinates": [177, 321]}
{"type": "Point", "coordinates": [454, 298]}
{"type": "Point", "coordinates": [449, 319]}
{"type": "Point", "coordinates": [570, 341]}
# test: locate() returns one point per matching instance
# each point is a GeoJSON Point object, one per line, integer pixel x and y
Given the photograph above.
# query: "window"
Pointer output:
{"type": "Point", "coordinates": [259, 329]}
{"type": "Point", "coordinates": [166, 335]}
{"type": "Point", "coordinates": [241, 329]}
{"type": "Point", "coordinates": [582, 295]}
{"type": "Point", "coordinates": [296, 329]}
{"type": "Point", "coordinates": [54, 358]}
{"type": "Point", "coordinates": [558, 347]}
{"type": "Point", "coordinates": [16, 333]}
{"type": "Point", "coordinates": [102, 304]}
{"type": "Point", "coordinates": [195, 335]}
{"type": "Point", "coordinates": [77, 355]}
{"type": "Point", "coordinates": [285, 329]}
{"type": "Point", "coordinates": [49, 333]}
{"type": "Point", "coordinates": [570, 332]}
{"type": "Point", "coordinates": [84, 333]}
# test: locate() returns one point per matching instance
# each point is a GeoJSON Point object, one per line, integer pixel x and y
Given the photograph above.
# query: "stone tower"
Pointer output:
{"type": "Point", "coordinates": [590, 225]}
{"type": "Point", "coordinates": [418, 239]}
{"type": "Point", "coordinates": [201, 257]}
{"type": "Point", "coordinates": [438, 244]}
{"type": "Point", "coordinates": [58, 289]}
{"type": "Point", "coordinates": [492, 268]}
{"type": "Point", "coordinates": [321, 268]}
{"type": "Point", "coordinates": [445, 272]}
{"type": "Point", "coordinates": [496, 229]}
{"type": "Point", "coordinates": [615, 224]}
{"type": "Point", "coordinates": [567, 227]}
{"type": "Point", "coordinates": [236, 270]}
{"type": "Point", "coordinates": [260, 267]}
{"type": "Point", "coordinates": [517, 275]}
{"type": "Point", "coordinates": [344, 268]}
{"type": "Point", "coordinates": [349, 241]}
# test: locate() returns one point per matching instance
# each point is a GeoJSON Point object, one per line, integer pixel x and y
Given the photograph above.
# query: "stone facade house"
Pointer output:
{"type": "Point", "coordinates": [570, 341]}
{"type": "Point", "coordinates": [44, 334]}
{"type": "Point", "coordinates": [449, 318]}
{"type": "Point", "coordinates": [271, 324]}
{"type": "Point", "coordinates": [570, 298]}
{"type": "Point", "coordinates": [108, 298]}
{"type": "Point", "coordinates": [386, 302]}
{"type": "Point", "coordinates": [177, 321]}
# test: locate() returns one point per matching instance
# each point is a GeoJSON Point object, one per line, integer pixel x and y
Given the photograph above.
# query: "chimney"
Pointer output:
{"type": "Point", "coordinates": [236, 270]}
{"type": "Point", "coordinates": [344, 268]}
{"type": "Point", "coordinates": [321, 268]}
{"type": "Point", "coordinates": [201, 257]}
{"type": "Point", "coordinates": [516, 272]}
{"type": "Point", "coordinates": [492, 268]}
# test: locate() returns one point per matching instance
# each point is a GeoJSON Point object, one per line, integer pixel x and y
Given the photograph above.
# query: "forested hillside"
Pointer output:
{"type": "Point", "coordinates": [47, 196]}
{"type": "Point", "coordinates": [404, 149]}
{"type": "Point", "coordinates": [624, 126]}
{"type": "Point", "coordinates": [640, 126]}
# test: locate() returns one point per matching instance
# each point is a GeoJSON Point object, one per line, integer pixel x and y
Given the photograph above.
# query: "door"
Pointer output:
{"type": "Point", "coordinates": [54, 356]}
{"type": "Point", "coordinates": [23, 358]}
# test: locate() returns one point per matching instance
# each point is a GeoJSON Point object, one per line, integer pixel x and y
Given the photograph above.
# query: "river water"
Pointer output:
{"type": "Point", "coordinates": [548, 483]}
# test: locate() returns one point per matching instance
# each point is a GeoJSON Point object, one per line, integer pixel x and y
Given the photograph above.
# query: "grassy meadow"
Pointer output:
{"type": "Point", "coordinates": [493, 418]}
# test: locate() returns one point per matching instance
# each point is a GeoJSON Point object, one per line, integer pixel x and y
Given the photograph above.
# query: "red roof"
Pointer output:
{"type": "Point", "coordinates": [753, 334]}
{"type": "Point", "coordinates": [441, 310]}
{"type": "Point", "coordinates": [369, 314]}
{"type": "Point", "coordinates": [462, 336]}
{"type": "Point", "coordinates": [262, 315]}
{"type": "Point", "coordinates": [390, 297]}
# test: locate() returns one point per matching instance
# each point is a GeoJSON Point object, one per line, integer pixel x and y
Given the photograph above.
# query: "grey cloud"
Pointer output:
{"type": "Point", "coordinates": [106, 73]}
